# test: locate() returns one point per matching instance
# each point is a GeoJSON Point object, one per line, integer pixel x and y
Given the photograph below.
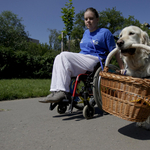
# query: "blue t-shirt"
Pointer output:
{"type": "Point", "coordinates": [102, 39]}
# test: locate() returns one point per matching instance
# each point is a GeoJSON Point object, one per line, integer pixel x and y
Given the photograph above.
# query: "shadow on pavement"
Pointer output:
{"type": "Point", "coordinates": [135, 132]}
{"type": "Point", "coordinates": [78, 115]}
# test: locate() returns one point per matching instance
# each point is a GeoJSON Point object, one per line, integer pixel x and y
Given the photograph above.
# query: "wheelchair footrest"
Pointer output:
{"type": "Point", "coordinates": [65, 100]}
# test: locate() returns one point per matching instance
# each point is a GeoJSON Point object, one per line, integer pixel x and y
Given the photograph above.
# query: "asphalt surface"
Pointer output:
{"type": "Point", "coordinates": [29, 125]}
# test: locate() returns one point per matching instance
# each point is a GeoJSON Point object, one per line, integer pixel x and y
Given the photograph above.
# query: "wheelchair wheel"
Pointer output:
{"type": "Point", "coordinates": [96, 88]}
{"type": "Point", "coordinates": [96, 84]}
{"type": "Point", "coordinates": [61, 108]}
{"type": "Point", "coordinates": [88, 113]}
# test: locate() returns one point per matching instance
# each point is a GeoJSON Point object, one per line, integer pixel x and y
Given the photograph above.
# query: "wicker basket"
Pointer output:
{"type": "Point", "coordinates": [125, 97]}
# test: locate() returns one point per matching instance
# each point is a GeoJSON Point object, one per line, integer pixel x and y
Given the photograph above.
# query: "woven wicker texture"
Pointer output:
{"type": "Point", "coordinates": [125, 96]}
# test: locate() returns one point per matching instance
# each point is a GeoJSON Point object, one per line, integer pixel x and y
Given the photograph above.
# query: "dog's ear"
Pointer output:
{"type": "Point", "coordinates": [145, 38]}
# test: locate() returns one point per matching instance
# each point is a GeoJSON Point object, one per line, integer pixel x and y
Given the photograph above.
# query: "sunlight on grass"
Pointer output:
{"type": "Point", "coordinates": [23, 88]}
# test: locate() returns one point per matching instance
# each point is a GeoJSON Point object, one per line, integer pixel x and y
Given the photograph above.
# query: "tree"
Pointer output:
{"type": "Point", "coordinates": [54, 40]}
{"type": "Point", "coordinates": [38, 49]}
{"type": "Point", "coordinates": [78, 30]}
{"type": "Point", "coordinates": [68, 18]}
{"type": "Point", "coordinates": [79, 26]}
{"type": "Point", "coordinates": [111, 19]}
{"type": "Point", "coordinates": [132, 21]}
{"type": "Point", "coordinates": [115, 22]}
{"type": "Point", "coordinates": [146, 27]}
{"type": "Point", "coordinates": [12, 31]}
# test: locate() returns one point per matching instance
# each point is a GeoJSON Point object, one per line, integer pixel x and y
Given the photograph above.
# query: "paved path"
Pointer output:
{"type": "Point", "coordinates": [30, 125]}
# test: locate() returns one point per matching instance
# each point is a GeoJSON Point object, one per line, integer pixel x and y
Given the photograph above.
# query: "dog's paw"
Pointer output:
{"type": "Point", "coordinates": [139, 124]}
{"type": "Point", "coordinates": [147, 126]}
{"type": "Point", "coordinates": [144, 125]}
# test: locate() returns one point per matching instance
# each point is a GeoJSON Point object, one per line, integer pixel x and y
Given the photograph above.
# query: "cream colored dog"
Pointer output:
{"type": "Point", "coordinates": [134, 49]}
{"type": "Point", "coordinates": [136, 59]}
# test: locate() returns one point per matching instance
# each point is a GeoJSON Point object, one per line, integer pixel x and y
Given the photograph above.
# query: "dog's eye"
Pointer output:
{"type": "Point", "coordinates": [120, 36]}
{"type": "Point", "coordinates": [131, 33]}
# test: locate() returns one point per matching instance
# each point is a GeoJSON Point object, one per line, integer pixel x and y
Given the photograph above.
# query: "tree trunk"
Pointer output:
{"type": "Point", "coordinates": [69, 44]}
{"type": "Point", "coordinates": [62, 43]}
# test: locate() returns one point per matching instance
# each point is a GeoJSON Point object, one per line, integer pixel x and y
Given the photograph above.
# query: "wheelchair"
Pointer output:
{"type": "Point", "coordinates": [85, 90]}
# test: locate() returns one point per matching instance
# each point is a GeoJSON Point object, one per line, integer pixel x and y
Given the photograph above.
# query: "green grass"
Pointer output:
{"type": "Point", "coordinates": [23, 88]}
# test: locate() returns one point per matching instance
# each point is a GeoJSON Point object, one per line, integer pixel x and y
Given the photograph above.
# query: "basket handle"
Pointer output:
{"type": "Point", "coordinates": [115, 50]}
{"type": "Point", "coordinates": [109, 57]}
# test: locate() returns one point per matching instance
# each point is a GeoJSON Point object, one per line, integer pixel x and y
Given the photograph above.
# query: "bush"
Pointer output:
{"type": "Point", "coordinates": [21, 64]}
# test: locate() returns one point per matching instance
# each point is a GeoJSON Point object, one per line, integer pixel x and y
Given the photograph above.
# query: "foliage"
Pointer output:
{"type": "Point", "coordinates": [20, 58]}
{"type": "Point", "coordinates": [68, 17]}
{"type": "Point", "coordinates": [146, 29]}
{"type": "Point", "coordinates": [78, 30]}
{"type": "Point", "coordinates": [111, 19]}
{"type": "Point", "coordinates": [79, 26]}
{"type": "Point", "coordinates": [12, 31]}
{"type": "Point", "coordinates": [54, 40]}
{"type": "Point", "coordinates": [131, 21]}
{"type": "Point", "coordinates": [38, 49]}
{"type": "Point", "coordinates": [115, 22]}
{"type": "Point", "coordinates": [20, 64]}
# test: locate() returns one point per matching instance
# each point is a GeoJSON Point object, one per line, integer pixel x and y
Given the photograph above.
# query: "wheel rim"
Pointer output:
{"type": "Point", "coordinates": [61, 109]}
{"type": "Point", "coordinates": [88, 113]}
{"type": "Point", "coordinates": [96, 89]}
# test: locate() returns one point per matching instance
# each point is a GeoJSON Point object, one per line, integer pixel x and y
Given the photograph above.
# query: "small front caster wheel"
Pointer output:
{"type": "Point", "coordinates": [61, 109]}
{"type": "Point", "coordinates": [88, 112]}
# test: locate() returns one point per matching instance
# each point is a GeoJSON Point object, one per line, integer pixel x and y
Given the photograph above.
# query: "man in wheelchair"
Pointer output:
{"type": "Point", "coordinates": [96, 42]}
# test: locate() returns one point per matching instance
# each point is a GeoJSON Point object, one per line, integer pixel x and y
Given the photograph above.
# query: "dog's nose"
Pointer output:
{"type": "Point", "coordinates": [120, 43]}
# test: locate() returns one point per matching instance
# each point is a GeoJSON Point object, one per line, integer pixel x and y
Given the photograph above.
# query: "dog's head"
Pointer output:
{"type": "Point", "coordinates": [131, 35]}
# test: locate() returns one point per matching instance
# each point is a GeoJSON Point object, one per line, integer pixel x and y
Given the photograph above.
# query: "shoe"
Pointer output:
{"type": "Point", "coordinates": [46, 100]}
{"type": "Point", "coordinates": [57, 97]}
{"type": "Point", "coordinates": [60, 95]}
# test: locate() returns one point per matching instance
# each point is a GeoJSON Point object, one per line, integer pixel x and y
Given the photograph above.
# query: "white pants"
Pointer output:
{"type": "Point", "coordinates": [67, 65]}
